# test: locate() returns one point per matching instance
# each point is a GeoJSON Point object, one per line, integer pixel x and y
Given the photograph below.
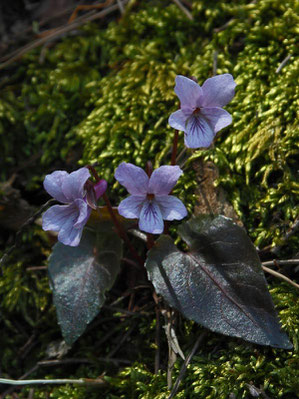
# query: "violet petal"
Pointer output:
{"type": "Point", "coordinates": [73, 184]}
{"type": "Point", "coordinates": [131, 207]}
{"type": "Point", "coordinates": [218, 90]}
{"type": "Point", "coordinates": [199, 133]}
{"type": "Point", "coordinates": [189, 92]}
{"type": "Point", "coordinates": [100, 187]}
{"type": "Point", "coordinates": [164, 179]}
{"type": "Point", "coordinates": [69, 235]}
{"type": "Point", "coordinates": [53, 185]}
{"type": "Point", "coordinates": [177, 120]}
{"type": "Point", "coordinates": [218, 118]}
{"type": "Point", "coordinates": [84, 212]}
{"type": "Point", "coordinates": [171, 207]}
{"type": "Point", "coordinates": [150, 219]}
{"type": "Point", "coordinates": [58, 215]}
{"type": "Point", "coordinates": [133, 178]}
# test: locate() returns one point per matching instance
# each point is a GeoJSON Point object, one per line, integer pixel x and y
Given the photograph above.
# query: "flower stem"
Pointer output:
{"type": "Point", "coordinates": [149, 168]}
{"type": "Point", "coordinates": [121, 232]}
{"type": "Point", "coordinates": [93, 172]}
{"type": "Point", "coordinates": [150, 240]}
{"type": "Point", "coordinates": [174, 147]}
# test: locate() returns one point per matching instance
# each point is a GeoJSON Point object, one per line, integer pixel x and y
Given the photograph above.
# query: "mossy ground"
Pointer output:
{"type": "Point", "coordinates": [104, 95]}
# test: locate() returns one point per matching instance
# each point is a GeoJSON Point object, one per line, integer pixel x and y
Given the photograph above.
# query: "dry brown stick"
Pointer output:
{"type": "Point", "coordinates": [281, 276]}
{"type": "Point", "coordinates": [120, 6]}
{"type": "Point", "coordinates": [283, 63]}
{"type": "Point", "coordinates": [58, 33]}
{"type": "Point", "coordinates": [185, 364]}
{"type": "Point", "coordinates": [157, 341]}
{"type": "Point", "coordinates": [43, 35]}
{"type": "Point", "coordinates": [123, 339]}
{"type": "Point", "coordinates": [184, 9]}
{"type": "Point", "coordinates": [35, 268]}
{"type": "Point", "coordinates": [88, 7]}
{"type": "Point", "coordinates": [29, 222]}
{"type": "Point", "coordinates": [286, 262]}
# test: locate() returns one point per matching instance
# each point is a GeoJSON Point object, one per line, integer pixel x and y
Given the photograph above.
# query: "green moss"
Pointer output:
{"type": "Point", "coordinates": [105, 96]}
{"type": "Point", "coordinates": [108, 93]}
{"type": "Point", "coordinates": [220, 367]}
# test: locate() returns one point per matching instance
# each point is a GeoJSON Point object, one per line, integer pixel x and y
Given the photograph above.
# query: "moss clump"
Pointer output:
{"type": "Point", "coordinates": [105, 96]}
{"type": "Point", "coordinates": [256, 155]}
{"type": "Point", "coordinates": [110, 92]}
{"type": "Point", "coordinates": [220, 368]}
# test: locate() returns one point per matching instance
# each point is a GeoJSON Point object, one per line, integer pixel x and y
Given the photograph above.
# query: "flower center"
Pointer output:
{"type": "Point", "coordinates": [150, 197]}
{"type": "Point", "coordinates": [196, 111]}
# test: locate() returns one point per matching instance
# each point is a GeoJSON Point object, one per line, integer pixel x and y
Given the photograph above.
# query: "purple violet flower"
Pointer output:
{"type": "Point", "coordinates": [150, 201]}
{"type": "Point", "coordinates": [201, 115]}
{"type": "Point", "coordinates": [69, 219]}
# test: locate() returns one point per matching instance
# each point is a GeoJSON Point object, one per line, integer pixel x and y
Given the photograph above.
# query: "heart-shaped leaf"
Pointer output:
{"type": "Point", "coordinates": [80, 276]}
{"type": "Point", "coordinates": [219, 283]}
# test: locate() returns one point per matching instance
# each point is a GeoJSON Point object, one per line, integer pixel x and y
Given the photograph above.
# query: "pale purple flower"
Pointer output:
{"type": "Point", "coordinates": [201, 115]}
{"type": "Point", "coordinates": [150, 201]}
{"type": "Point", "coordinates": [69, 219]}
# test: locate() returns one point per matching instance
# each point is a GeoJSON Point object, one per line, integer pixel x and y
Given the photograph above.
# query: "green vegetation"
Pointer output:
{"type": "Point", "coordinates": [105, 95]}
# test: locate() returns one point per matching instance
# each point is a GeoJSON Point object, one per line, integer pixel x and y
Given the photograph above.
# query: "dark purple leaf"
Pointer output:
{"type": "Point", "coordinates": [219, 283]}
{"type": "Point", "coordinates": [80, 277]}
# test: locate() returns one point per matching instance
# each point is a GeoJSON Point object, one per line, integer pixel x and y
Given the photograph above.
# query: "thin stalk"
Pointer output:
{"type": "Point", "coordinates": [150, 240]}
{"type": "Point", "coordinates": [121, 232]}
{"type": "Point", "coordinates": [281, 276]}
{"type": "Point", "coordinates": [174, 147]}
{"type": "Point", "coordinates": [81, 381]}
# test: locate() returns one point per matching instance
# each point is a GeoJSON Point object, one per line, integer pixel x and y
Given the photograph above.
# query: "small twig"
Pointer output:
{"type": "Point", "coordinates": [57, 362]}
{"type": "Point", "coordinates": [130, 262]}
{"type": "Point", "coordinates": [292, 230]}
{"type": "Point", "coordinates": [30, 221]}
{"type": "Point", "coordinates": [138, 234]}
{"type": "Point", "coordinates": [256, 392]}
{"type": "Point", "coordinates": [276, 262]}
{"type": "Point", "coordinates": [215, 61]}
{"type": "Point", "coordinates": [284, 62]}
{"type": "Point", "coordinates": [172, 341]}
{"type": "Point", "coordinates": [150, 241]}
{"type": "Point", "coordinates": [35, 268]}
{"type": "Point", "coordinates": [120, 310]}
{"type": "Point", "coordinates": [157, 340]}
{"type": "Point", "coordinates": [184, 150]}
{"type": "Point", "coordinates": [27, 345]}
{"type": "Point", "coordinates": [185, 364]}
{"type": "Point", "coordinates": [275, 250]}
{"type": "Point", "coordinates": [224, 26]}
{"type": "Point", "coordinates": [174, 147]}
{"type": "Point", "coordinates": [88, 7]}
{"type": "Point", "coordinates": [120, 6]}
{"type": "Point", "coordinates": [81, 381]}
{"type": "Point", "coordinates": [122, 232]}
{"type": "Point", "coordinates": [123, 339]}
{"type": "Point", "coordinates": [57, 33]}
{"type": "Point", "coordinates": [184, 9]}
{"type": "Point", "coordinates": [31, 393]}
{"type": "Point", "coordinates": [281, 276]}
